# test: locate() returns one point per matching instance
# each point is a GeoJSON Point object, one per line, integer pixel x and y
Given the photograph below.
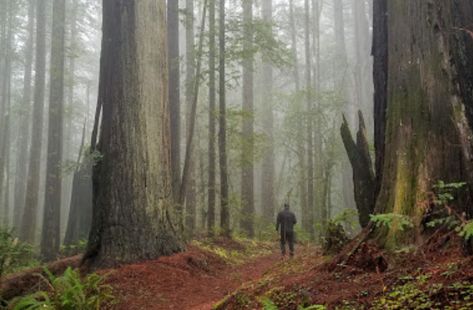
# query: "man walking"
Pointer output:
{"type": "Point", "coordinates": [285, 225]}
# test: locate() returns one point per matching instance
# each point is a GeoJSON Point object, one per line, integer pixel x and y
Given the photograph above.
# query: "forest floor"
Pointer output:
{"type": "Point", "coordinates": [195, 279]}
{"type": "Point", "coordinates": [224, 274]}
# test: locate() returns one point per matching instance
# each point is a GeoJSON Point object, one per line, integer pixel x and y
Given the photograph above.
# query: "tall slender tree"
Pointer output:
{"type": "Point", "coordinates": [191, 194]}
{"type": "Point", "coordinates": [5, 108]}
{"type": "Point", "coordinates": [50, 240]}
{"type": "Point", "coordinates": [21, 169]}
{"type": "Point", "coordinates": [267, 179]}
{"type": "Point", "coordinates": [302, 179]}
{"type": "Point", "coordinates": [308, 213]}
{"type": "Point", "coordinates": [173, 93]}
{"type": "Point", "coordinates": [133, 216]}
{"type": "Point", "coordinates": [29, 218]}
{"type": "Point", "coordinates": [222, 131]}
{"type": "Point", "coordinates": [247, 170]}
{"type": "Point", "coordinates": [212, 121]}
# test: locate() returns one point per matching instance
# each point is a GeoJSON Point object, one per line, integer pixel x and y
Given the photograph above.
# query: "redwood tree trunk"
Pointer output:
{"type": "Point", "coordinates": [267, 178]}
{"type": "Point", "coordinates": [133, 218]}
{"type": "Point", "coordinates": [24, 123]}
{"type": "Point", "coordinates": [247, 171]}
{"type": "Point", "coordinates": [51, 238]}
{"type": "Point", "coordinates": [174, 89]}
{"type": "Point", "coordinates": [28, 225]}
{"type": "Point", "coordinates": [428, 115]}
{"type": "Point", "coordinates": [222, 132]}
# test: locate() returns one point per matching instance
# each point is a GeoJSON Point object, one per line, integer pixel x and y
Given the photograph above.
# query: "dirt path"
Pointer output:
{"type": "Point", "coordinates": [191, 280]}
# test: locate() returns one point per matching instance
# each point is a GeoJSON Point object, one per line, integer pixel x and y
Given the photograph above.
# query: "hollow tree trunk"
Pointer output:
{"type": "Point", "coordinates": [133, 218]}
{"type": "Point", "coordinates": [363, 174]}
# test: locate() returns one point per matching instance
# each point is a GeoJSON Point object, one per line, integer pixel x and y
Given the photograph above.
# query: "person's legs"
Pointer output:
{"type": "Point", "coordinates": [290, 240]}
{"type": "Point", "coordinates": [283, 244]}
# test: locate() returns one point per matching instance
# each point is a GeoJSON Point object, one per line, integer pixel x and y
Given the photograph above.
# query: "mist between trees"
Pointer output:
{"type": "Point", "coordinates": [238, 112]}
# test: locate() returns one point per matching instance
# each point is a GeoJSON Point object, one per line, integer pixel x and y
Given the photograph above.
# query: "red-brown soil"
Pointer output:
{"type": "Point", "coordinates": [195, 279]}
{"type": "Point", "coordinates": [310, 279]}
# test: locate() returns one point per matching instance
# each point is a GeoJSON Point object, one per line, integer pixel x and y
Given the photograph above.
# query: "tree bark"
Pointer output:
{"type": "Point", "coordinates": [5, 109]}
{"type": "Point", "coordinates": [247, 170]}
{"type": "Point", "coordinates": [174, 89]}
{"type": "Point", "coordinates": [24, 123]}
{"type": "Point", "coordinates": [80, 213]}
{"type": "Point", "coordinates": [133, 218]}
{"type": "Point", "coordinates": [267, 179]}
{"type": "Point", "coordinates": [212, 124]}
{"type": "Point", "coordinates": [51, 237]}
{"type": "Point", "coordinates": [307, 214]}
{"type": "Point", "coordinates": [380, 80]}
{"type": "Point", "coordinates": [428, 119]}
{"type": "Point", "coordinates": [28, 224]}
{"type": "Point", "coordinates": [191, 195]}
{"type": "Point", "coordinates": [222, 133]}
{"type": "Point", "coordinates": [302, 179]}
{"type": "Point", "coordinates": [363, 174]}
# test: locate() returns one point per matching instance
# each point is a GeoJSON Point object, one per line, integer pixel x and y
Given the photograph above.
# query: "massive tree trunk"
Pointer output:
{"type": "Point", "coordinates": [212, 123]}
{"type": "Point", "coordinates": [133, 218]}
{"type": "Point", "coordinates": [28, 225]}
{"type": "Point", "coordinates": [51, 238]}
{"type": "Point", "coordinates": [222, 132]}
{"type": "Point", "coordinates": [173, 92]}
{"type": "Point", "coordinates": [267, 178]}
{"type": "Point", "coordinates": [24, 123]}
{"type": "Point", "coordinates": [247, 170]}
{"type": "Point", "coordinates": [428, 117]}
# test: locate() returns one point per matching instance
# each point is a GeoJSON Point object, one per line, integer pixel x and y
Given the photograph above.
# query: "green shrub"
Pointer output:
{"type": "Point", "coordinates": [75, 248]}
{"type": "Point", "coordinates": [68, 292]}
{"type": "Point", "coordinates": [14, 254]}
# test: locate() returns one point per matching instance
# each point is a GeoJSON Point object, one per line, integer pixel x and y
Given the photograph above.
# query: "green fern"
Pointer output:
{"type": "Point", "coordinates": [387, 219]}
{"type": "Point", "coordinates": [68, 292]}
{"type": "Point", "coordinates": [268, 304]}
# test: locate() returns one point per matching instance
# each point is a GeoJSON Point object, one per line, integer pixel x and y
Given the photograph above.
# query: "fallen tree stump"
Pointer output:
{"type": "Point", "coordinates": [27, 281]}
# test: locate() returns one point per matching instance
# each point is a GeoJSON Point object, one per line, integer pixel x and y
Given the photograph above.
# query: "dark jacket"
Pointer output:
{"type": "Point", "coordinates": [286, 221]}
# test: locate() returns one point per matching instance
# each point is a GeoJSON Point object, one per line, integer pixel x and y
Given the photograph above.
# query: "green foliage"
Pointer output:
{"type": "Point", "coordinates": [466, 231]}
{"type": "Point", "coordinates": [68, 292]}
{"type": "Point", "coordinates": [445, 192]}
{"type": "Point", "coordinates": [73, 249]}
{"type": "Point", "coordinates": [313, 307]}
{"type": "Point", "coordinates": [14, 254]}
{"type": "Point", "coordinates": [417, 293]}
{"type": "Point", "coordinates": [388, 219]}
{"type": "Point", "coordinates": [407, 296]}
{"type": "Point", "coordinates": [268, 304]}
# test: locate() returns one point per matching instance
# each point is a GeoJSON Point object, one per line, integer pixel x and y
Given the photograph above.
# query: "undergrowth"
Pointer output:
{"type": "Point", "coordinates": [14, 254]}
{"type": "Point", "coordinates": [239, 252]}
{"type": "Point", "coordinates": [68, 292]}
